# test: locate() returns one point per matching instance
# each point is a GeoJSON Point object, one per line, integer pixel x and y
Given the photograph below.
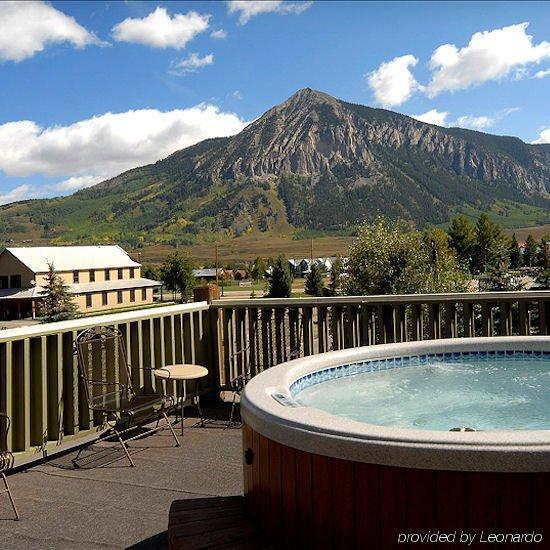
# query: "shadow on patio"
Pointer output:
{"type": "Point", "coordinates": [106, 504]}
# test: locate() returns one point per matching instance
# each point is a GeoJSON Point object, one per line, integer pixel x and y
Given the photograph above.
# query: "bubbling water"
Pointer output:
{"type": "Point", "coordinates": [496, 394]}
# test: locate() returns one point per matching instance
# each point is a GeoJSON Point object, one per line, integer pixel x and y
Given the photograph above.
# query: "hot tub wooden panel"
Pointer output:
{"type": "Point", "coordinates": [304, 500]}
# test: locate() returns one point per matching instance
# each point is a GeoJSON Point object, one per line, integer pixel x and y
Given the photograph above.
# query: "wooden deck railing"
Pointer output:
{"type": "Point", "coordinates": [41, 391]}
{"type": "Point", "coordinates": [40, 388]}
{"type": "Point", "coordinates": [260, 333]}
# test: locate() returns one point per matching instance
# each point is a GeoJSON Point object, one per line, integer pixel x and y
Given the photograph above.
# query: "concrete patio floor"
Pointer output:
{"type": "Point", "coordinates": [101, 505]}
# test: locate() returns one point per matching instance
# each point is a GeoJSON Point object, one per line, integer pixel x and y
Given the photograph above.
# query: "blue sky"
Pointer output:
{"type": "Point", "coordinates": [89, 89]}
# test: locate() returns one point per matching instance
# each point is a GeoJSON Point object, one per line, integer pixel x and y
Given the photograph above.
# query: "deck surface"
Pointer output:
{"type": "Point", "coordinates": [98, 506]}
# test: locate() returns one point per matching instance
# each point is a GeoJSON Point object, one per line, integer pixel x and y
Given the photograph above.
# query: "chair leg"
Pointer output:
{"type": "Point", "coordinates": [233, 404]}
{"type": "Point", "coordinates": [124, 446]}
{"type": "Point", "coordinates": [197, 401]}
{"type": "Point", "coordinates": [171, 429]}
{"type": "Point", "coordinates": [10, 496]}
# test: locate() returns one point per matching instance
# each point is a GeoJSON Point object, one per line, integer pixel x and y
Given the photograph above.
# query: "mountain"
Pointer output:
{"type": "Point", "coordinates": [313, 162]}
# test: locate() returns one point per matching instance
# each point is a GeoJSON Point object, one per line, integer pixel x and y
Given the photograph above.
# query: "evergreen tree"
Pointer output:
{"type": "Point", "coordinates": [314, 285]}
{"type": "Point", "coordinates": [335, 278]}
{"type": "Point", "coordinates": [462, 236]}
{"type": "Point", "coordinates": [258, 269]}
{"type": "Point", "coordinates": [280, 284]}
{"type": "Point", "coordinates": [515, 253]}
{"type": "Point", "coordinates": [530, 252]}
{"type": "Point", "coordinates": [177, 274]}
{"type": "Point", "coordinates": [58, 304]}
{"type": "Point", "coordinates": [543, 257]}
{"type": "Point", "coordinates": [490, 248]}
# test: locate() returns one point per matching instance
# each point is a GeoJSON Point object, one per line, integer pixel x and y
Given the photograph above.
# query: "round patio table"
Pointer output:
{"type": "Point", "coordinates": [181, 373]}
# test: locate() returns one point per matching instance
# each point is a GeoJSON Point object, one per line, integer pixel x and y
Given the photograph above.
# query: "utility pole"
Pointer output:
{"type": "Point", "coordinates": [311, 250]}
{"type": "Point", "coordinates": [216, 265]}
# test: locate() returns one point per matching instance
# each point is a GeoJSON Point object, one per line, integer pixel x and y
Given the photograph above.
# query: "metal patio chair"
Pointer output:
{"type": "Point", "coordinates": [107, 378]}
{"type": "Point", "coordinates": [6, 458]}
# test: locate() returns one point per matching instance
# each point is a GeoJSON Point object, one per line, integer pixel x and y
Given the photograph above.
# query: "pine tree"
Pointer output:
{"type": "Point", "coordinates": [280, 284]}
{"type": "Point", "coordinates": [543, 257]}
{"type": "Point", "coordinates": [314, 285]}
{"type": "Point", "coordinates": [258, 269]}
{"type": "Point", "coordinates": [58, 304]}
{"type": "Point", "coordinates": [490, 248]}
{"type": "Point", "coordinates": [462, 236]}
{"type": "Point", "coordinates": [515, 253]}
{"type": "Point", "coordinates": [530, 252]}
{"type": "Point", "coordinates": [335, 278]}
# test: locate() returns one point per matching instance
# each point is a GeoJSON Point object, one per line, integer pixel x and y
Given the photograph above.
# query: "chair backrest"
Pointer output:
{"type": "Point", "coordinates": [102, 362]}
{"type": "Point", "coordinates": [6, 458]}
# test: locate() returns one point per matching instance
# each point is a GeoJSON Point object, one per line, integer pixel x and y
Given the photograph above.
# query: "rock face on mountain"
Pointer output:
{"type": "Point", "coordinates": [312, 162]}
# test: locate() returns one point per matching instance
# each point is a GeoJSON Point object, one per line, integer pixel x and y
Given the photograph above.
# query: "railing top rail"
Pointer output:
{"type": "Point", "coordinates": [33, 331]}
{"type": "Point", "coordinates": [393, 299]}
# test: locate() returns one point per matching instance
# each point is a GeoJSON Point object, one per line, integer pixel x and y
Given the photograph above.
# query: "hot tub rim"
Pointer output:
{"type": "Point", "coordinates": [319, 432]}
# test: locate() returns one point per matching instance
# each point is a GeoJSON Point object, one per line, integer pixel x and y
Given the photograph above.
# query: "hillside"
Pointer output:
{"type": "Point", "coordinates": [310, 165]}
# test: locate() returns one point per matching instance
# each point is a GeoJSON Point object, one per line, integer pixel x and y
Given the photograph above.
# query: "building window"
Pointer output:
{"type": "Point", "coordinates": [88, 300]}
{"type": "Point", "coordinates": [144, 294]}
{"type": "Point", "coordinates": [120, 273]}
{"type": "Point", "coordinates": [15, 281]}
{"type": "Point", "coordinates": [104, 299]}
{"type": "Point", "coordinates": [132, 295]}
{"type": "Point", "coordinates": [107, 274]}
{"type": "Point", "coordinates": [4, 281]}
{"type": "Point", "coordinates": [92, 275]}
{"type": "Point", "coordinates": [132, 272]}
{"type": "Point", "coordinates": [76, 276]}
{"type": "Point", "coordinates": [119, 297]}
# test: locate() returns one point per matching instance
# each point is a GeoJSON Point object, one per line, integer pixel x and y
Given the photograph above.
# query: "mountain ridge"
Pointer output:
{"type": "Point", "coordinates": [312, 162]}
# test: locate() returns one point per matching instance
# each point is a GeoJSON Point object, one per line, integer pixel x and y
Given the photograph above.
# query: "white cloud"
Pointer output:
{"type": "Point", "coordinates": [393, 83]}
{"type": "Point", "coordinates": [160, 30]}
{"type": "Point", "coordinates": [542, 74]}
{"type": "Point", "coordinates": [247, 9]}
{"type": "Point", "coordinates": [27, 191]}
{"type": "Point", "coordinates": [219, 34]}
{"type": "Point", "coordinates": [19, 193]}
{"type": "Point", "coordinates": [544, 136]}
{"type": "Point", "coordinates": [433, 116]}
{"type": "Point", "coordinates": [191, 64]}
{"type": "Point", "coordinates": [489, 55]}
{"type": "Point", "coordinates": [28, 27]}
{"type": "Point", "coordinates": [237, 94]}
{"type": "Point", "coordinates": [475, 122]}
{"type": "Point", "coordinates": [97, 148]}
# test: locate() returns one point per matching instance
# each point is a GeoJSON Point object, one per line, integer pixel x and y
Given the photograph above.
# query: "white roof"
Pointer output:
{"type": "Point", "coordinates": [72, 258]}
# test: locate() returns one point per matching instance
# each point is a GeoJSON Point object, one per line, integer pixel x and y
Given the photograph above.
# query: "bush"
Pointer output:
{"type": "Point", "coordinates": [280, 284]}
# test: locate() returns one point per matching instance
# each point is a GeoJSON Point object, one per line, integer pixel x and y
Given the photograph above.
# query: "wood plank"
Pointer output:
{"type": "Point", "coordinates": [321, 490]}
{"type": "Point", "coordinates": [289, 496]}
{"type": "Point", "coordinates": [264, 501]}
{"type": "Point", "coordinates": [275, 490]}
{"type": "Point", "coordinates": [304, 498]}
{"type": "Point", "coordinates": [515, 491]}
{"type": "Point", "coordinates": [482, 491]}
{"type": "Point", "coordinates": [367, 509]}
{"type": "Point", "coordinates": [343, 503]}
{"type": "Point", "coordinates": [393, 509]}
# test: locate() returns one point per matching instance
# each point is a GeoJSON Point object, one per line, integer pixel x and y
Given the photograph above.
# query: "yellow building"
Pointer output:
{"type": "Point", "coordinates": [99, 277]}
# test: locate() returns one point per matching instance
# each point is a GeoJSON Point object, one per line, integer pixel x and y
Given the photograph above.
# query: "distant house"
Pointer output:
{"type": "Point", "coordinates": [99, 277]}
{"type": "Point", "coordinates": [208, 273]}
{"type": "Point", "coordinates": [240, 274]}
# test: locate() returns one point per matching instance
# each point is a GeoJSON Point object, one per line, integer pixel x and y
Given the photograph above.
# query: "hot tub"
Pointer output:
{"type": "Point", "coordinates": [365, 470]}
